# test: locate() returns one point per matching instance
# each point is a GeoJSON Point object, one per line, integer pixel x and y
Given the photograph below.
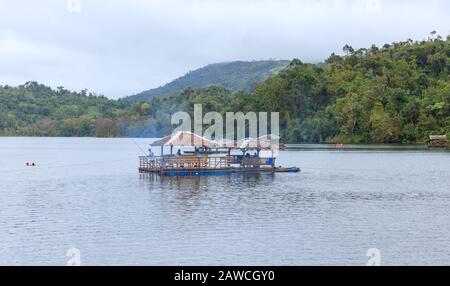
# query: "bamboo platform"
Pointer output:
{"type": "Point", "coordinates": [194, 166]}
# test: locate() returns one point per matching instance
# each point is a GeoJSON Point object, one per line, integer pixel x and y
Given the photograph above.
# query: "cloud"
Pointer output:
{"type": "Point", "coordinates": [119, 48]}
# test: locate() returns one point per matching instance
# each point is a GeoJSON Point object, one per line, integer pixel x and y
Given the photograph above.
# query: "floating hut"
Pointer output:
{"type": "Point", "coordinates": [438, 141]}
{"type": "Point", "coordinates": [185, 153]}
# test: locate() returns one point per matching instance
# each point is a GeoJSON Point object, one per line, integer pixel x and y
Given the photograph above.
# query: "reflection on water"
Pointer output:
{"type": "Point", "coordinates": [193, 184]}
{"type": "Point", "coordinates": [87, 193]}
{"type": "Point", "coordinates": [189, 191]}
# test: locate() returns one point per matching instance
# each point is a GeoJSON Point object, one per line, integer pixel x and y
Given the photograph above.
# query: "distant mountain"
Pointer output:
{"type": "Point", "coordinates": [234, 76]}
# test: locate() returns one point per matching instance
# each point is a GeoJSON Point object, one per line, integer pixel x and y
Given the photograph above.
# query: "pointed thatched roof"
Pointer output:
{"type": "Point", "coordinates": [186, 139]}
{"type": "Point", "coordinates": [263, 142]}
{"type": "Point", "coordinates": [189, 139]}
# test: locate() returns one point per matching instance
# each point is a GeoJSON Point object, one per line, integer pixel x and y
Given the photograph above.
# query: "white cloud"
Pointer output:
{"type": "Point", "coordinates": [122, 47]}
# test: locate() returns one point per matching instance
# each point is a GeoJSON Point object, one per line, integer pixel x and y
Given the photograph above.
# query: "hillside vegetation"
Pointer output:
{"type": "Point", "coordinates": [398, 93]}
{"type": "Point", "coordinates": [34, 109]}
{"type": "Point", "coordinates": [234, 76]}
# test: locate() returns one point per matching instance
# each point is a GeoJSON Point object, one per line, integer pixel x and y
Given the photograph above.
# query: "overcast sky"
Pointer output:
{"type": "Point", "coordinates": [121, 47]}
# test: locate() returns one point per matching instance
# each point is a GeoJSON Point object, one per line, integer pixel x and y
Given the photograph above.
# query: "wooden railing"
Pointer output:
{"type": "Point", "coordinates": [186, 162]}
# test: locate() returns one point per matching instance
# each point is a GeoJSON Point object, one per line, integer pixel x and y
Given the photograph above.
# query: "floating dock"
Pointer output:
{"type": "Point", "coordinates": [197, 166]}
{"type": "Point", "coordinates": [212, 158]}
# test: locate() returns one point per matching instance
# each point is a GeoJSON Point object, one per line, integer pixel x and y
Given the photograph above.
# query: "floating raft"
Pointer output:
{"type": "Point", "coordinates": [210, 157]}
{"type": "Point", "coordinates": [196, 166]}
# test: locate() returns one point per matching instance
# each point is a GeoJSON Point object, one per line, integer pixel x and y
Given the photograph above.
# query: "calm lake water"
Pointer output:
{"type": "Point", "coordinates": [86, 193]}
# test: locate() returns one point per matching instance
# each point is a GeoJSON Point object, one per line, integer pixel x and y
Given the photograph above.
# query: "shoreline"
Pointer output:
{"type": "Point", "coordinates": [288, 146]}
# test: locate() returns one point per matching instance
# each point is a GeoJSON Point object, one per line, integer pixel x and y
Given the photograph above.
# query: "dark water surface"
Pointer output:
{"type": "Point", "coordinates": [87, 194]}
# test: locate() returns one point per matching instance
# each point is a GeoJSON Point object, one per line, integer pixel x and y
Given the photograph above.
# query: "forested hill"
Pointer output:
{"type": "Point", "coordinates": [234, 76]}
{"type": "Point", "coordinates": [398, 93]}
{"type": "Point", "coordinates": [34, 109]}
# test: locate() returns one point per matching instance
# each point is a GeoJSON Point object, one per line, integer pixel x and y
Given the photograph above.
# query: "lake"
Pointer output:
{"type": "Point", "coordinates": [86, 193]}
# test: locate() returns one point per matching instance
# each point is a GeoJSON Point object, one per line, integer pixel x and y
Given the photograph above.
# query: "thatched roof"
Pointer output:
{"type": "Point", "coordinates": [186, 139]}
{"type": "Point", "coordinates": [438, 137]}
{"type": "Point", "coordinates": [263, 142]}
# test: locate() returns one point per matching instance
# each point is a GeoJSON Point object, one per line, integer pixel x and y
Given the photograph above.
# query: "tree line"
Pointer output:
{"type": "Point", "coordinates": [397, 93]}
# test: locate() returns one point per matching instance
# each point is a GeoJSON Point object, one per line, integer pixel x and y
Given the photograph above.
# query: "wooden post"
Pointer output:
{"type": "Point", "coordinates": [162, 156]}
{"type": "Point", "coordinates": [273, 159]}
